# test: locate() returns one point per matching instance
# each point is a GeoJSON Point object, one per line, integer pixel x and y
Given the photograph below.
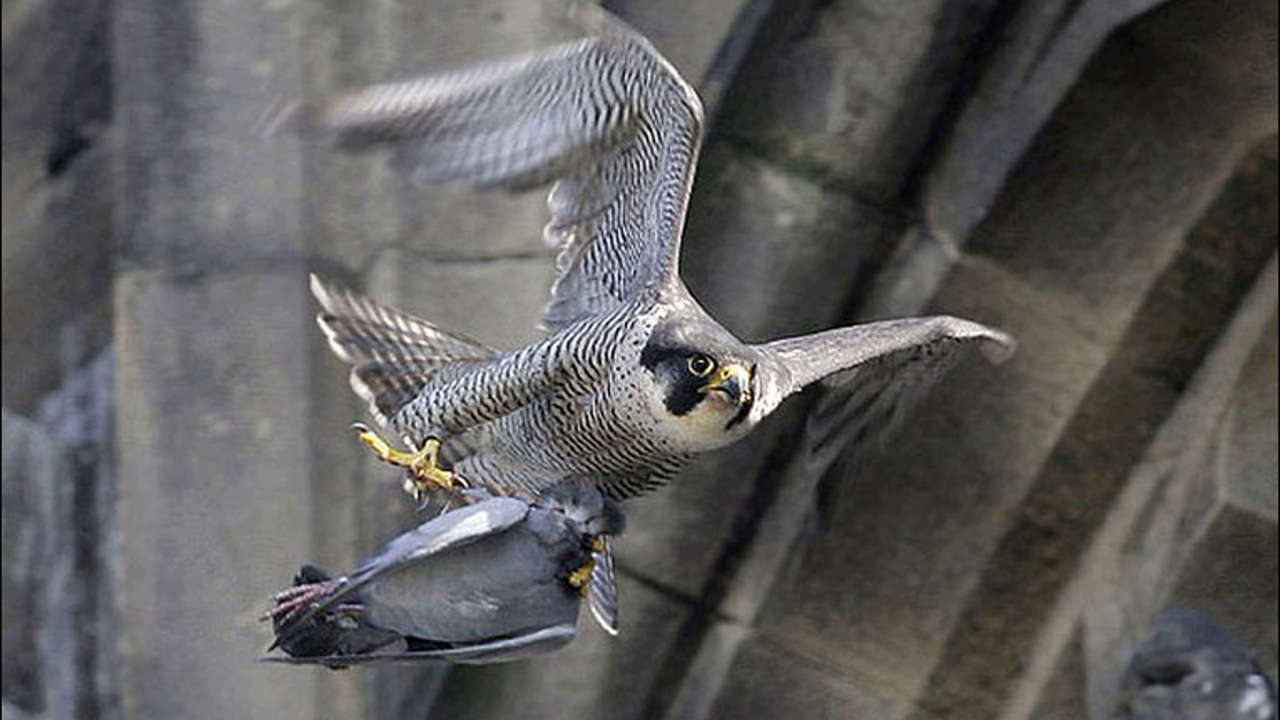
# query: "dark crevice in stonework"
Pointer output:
{"type": "Point", "coordinates": [974, 64]}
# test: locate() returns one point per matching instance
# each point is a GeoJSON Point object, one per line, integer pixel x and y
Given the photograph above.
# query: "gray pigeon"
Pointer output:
{"type": "Point", "coordinates": [1191, 668]}
{"type": "Point", "coordinates": [497, 580]}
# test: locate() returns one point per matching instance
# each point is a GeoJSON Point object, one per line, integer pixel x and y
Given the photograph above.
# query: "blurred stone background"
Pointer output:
{"type": "Point", "coordinates": [1098, 177]}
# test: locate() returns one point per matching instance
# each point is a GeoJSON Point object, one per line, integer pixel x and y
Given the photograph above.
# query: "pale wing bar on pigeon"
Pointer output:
{"type": "Point", "coordinates": [498, 650]}
{"type": "Point", "coordinates": [606, 116]}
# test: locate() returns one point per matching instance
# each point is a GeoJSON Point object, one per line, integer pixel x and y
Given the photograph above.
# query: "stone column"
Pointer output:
{"type": "Point", "coordinates": [212, 323]}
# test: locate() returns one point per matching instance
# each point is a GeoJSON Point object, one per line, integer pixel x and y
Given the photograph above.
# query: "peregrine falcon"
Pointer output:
{"type": "Point", "coordinates": [635, 378]}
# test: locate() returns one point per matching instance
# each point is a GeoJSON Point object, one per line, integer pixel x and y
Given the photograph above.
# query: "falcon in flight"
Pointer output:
{"type": "Point", "coordinates": [635, 378]}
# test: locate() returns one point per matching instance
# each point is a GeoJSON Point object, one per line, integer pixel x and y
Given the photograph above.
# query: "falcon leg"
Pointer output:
{"type": "Point", "coordinates": [581, 576]}
{"type": "Point", "coordinates": [424, 470]}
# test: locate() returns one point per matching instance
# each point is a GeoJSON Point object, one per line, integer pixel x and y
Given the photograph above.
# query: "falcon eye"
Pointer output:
{"type": "Point", "coordinates": [701, 365]}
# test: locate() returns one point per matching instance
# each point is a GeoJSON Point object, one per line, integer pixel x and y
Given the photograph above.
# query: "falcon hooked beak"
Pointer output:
{"type": "Point", "coordinates": [734, 381]}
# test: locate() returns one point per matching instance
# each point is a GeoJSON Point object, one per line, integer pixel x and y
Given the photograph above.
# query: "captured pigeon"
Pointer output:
{"type": "Point", "coordinates": [496, 580]}
{"type": "Point", "coordinates": [1191, 668]}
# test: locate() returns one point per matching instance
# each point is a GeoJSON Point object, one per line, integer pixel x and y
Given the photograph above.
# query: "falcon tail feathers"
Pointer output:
{"type": "Point", "coordinates": [602, 590]}
{"type": "Point", "coordinates": [393, 354]}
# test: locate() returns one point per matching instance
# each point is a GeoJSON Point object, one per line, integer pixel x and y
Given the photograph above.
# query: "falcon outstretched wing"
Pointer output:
{"type": "Point", "coordinates": [883, 366]}
{"type": "Point", "coordinates": [606, 117]}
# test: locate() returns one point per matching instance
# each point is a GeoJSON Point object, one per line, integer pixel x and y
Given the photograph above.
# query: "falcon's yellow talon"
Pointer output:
{"type": "Point", "coordinates": [579, 578]}
{"type": "Point", "coordinates": [422, 464]}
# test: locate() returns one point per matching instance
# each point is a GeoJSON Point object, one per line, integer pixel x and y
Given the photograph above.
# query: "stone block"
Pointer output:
{"type": "Point", "coordinates": [770, 253]}
{"type": "Point", "coordinates": [768, 681]}
{"type": "Point", "coordinates": [1127, 585]}
{"type": "Point", "coordinates": [356, 206]}
{"type": "Point", "coordinates": [1064, 694]}
{"type": "Point", "coordinates": [849, 90]}
{"type": "Point", "coordinates": [195, 79]}
{"type": "Point", "coordinates": [56, 92]}
{"type": "Point", "coordinates": [57, 278]}
{"type": "Point", "coordinates": [686, 33]}
{"type": "Point", "coordinates": [1043, 49]}
{"type": "Point", "coordinates": [595, 676]}
{"type": "Point", "coordinates": [1249, 474]}
{"type": "Point", "coordinates": [1169, 497]}
{"type": "Point", "coordinates": [214, 510]}
{"type": "Point", "coordinates": [1129, 163]}
{"type": "Point", "coordinates": [496, 301]}
{"type": "Point", "coordinates": [1110, 431]}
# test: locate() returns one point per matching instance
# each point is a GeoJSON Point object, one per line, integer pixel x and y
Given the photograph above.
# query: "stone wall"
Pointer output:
{"type": "Point", "coordinates": [1098, 178]}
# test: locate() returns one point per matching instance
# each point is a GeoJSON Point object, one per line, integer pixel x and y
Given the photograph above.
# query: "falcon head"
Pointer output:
{"type": "Point", "coordinates": [701, 384]}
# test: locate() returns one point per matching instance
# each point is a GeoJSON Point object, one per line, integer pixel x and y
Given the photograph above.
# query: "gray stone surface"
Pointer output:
{"type": "Point", "coordinates": [789, 686]}
{"type": "Point", "coordinates": [687, 33]}
{"type": "Point", "coordinates": [1152, 525]}
{"type": "Point", "coordinates": [57, 275]}
{"type": "Point", "coordinates": [496, 301]}
{"type": "Point", "coordinates": [1232, 576]}
{"type": "Point", "coordinates": [1249, 474]}
{"type": "Point", "coordinates": [1115, 420]}
{"type": "Point", "coordinates": [1129, 162]}
{"type": "Point", "coordinates": [848, 91]}
{"type": "Point", "coordinates": [213, 437]}
{"type": "Point", "coordinates": [80, 415]}
{"type": "Point", "coordinates": [1031, 567]}
{"type": "Point", "coordinates": [56, 94]}
{"type": "Point", "coordinates": [38, 567]}
{"type": "Point", "coordinates": [770, 253]}
{"type": "Point", "coordinates": [1047, 46]}
{"type": "Point", "coordinates": [1128, 587]}
{"type": "Point", "coordinates": [1064, 694]}
{"type": "Point", "coordinates": [194, 82]}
